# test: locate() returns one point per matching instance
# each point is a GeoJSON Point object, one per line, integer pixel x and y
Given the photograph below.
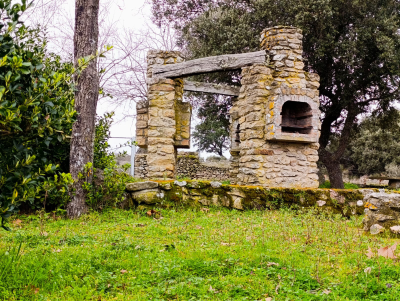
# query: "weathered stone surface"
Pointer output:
{"type": "Point", "coordinates": [180, 183]}
{"type": "Point", "coordinates": [137, 186]}
{"type": "Point", "coordinates": [383, 209]}
{"type": "Point", "coordinates": [376, 229]}
{"type": "Point", "coordinates": [395, 229]}
{"type": "Point", "coordinates": [237, 203]}
{"type": "Point", "coordinates": [148, 197]}
{"type": "Point", "coordinates": [216, 184]}
{"type": "Point", "coordinates": [198, 193]}
{"type": "Point", "coordinates": [267, 155]}
{"type": "Point", "coordinates": [189, 166]}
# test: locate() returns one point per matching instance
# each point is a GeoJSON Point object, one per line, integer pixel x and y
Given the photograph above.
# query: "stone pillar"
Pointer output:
{"type": "Point", "coordinates": [278, 116]}
{"type": "Point", "coordinates": [164, 96]}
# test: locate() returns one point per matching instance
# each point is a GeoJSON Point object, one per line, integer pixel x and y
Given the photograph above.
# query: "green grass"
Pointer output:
{"type": "Point", "coordinates": [194, 255]}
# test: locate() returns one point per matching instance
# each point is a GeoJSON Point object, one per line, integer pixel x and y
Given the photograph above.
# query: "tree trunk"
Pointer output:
{"type": "Point", "coordinates": [333, 167]}
{"type": "Point", "coordinates": [87, 84]}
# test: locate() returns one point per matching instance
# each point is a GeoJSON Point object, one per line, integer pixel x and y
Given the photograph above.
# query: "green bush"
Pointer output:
{"type": "Point", "coordinates": [36, 113]}
{"type": "Point", "coordinates": [107, 190]}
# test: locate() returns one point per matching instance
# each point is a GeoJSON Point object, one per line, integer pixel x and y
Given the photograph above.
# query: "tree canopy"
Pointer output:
{"type": "Point", "coordinates": [353, 45]}
{"type": "Point", "coordinates": [212, 133]}
{"type": "Point", "coordinates": [375, 147]}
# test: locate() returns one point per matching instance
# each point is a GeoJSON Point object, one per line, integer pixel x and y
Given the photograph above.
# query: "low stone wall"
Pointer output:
{"type": "Point", "coordinates": [382, 207]}
{"type": "Point", "coordinates": [205, 193]}
{"type": "Point", "coordinates": [189, 166]}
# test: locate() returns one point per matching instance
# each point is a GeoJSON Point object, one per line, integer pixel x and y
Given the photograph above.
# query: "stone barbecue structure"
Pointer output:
{"type": "Point", "coordinates": [275, 117]}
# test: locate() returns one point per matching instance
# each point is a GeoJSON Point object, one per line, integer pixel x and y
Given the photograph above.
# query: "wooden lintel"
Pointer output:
{"type": "Point", "coordinates": [210, 64]}
{"type": "Point", "coordinates": [211, 88]}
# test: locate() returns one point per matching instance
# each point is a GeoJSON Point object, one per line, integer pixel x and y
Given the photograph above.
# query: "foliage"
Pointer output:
{"type": "Point", "coordinates": [212, 133]}
{"type": "Point", "coordinates": [327, 185]}
{"type": "Point", "coordinates": [353, 45]}
{"type": "Point", "coordinates": [103, 157]}
{"type": "Point", "coordinates": [351, 186]}
{"type": "Point", "coordinates": [376, 145]}
{"type": "Point", "coordinates": [218, 254]}
{"type": "Point", "coordinates": [392, 170]}
{"type": "Point", "coordinates": [107, 189]}
{"type": "Point", "coordinates": [36, 113]}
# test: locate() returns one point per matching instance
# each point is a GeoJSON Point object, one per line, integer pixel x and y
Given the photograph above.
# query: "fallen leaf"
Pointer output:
{"type": "Point", "coordinates": [17, 222]}
{"type": "Point", "coordinates": [154, 213]}
{"type": "Point", "coordinates": [124, 271]}
{"type": "Point", "coordinates": [199, 227]}
{"type": "Point", "coordinates": [326, 292]}
{"type": "Point", "coordinates": [388, 252]}
{"type": "Point", "coordinates": [44, 233]}
{"type": "Point", "coordinates": [369, 253]}
{"type": "Point", "coordinates": [270, 264]}
{"type": "Point", "coordinates": [227, 244]}
{"type": "Point", "coordinates": [36, 290]}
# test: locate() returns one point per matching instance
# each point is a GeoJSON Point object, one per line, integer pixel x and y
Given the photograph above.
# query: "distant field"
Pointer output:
{"type": "Point", "coordinates": [195, 255]}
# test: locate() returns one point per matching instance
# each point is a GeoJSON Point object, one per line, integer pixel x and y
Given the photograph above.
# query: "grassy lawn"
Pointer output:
{"type": "Point", "coordinates": [195, 255]}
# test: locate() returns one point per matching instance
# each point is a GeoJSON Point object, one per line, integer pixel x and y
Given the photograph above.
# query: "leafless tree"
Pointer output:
{"type": "Point", "coordinates": [123, 69]}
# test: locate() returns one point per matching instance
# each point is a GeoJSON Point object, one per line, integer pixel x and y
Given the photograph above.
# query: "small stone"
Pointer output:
{"type": "Point", "coordinates": [137, 186]}
{"type": "Point", "coordinates": [237, 204]}
{"type": "Point", "coordinates": [216, 184]}
{"type": "Point", "coordinates": [395, 229]}
{"type": "Point", "coordinates": [167, 187]}
{"type": "Point", "coordinates": [376, 229]}
{"type": "Point", "coordinates": [321, 203]}
{"type": "Point", "coordinates": [180, 183]}
{"type": "Point", "coordinates": [360, 203]}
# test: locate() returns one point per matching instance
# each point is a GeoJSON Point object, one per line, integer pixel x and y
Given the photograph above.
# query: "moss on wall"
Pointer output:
{"type": "Point", "coordinates": [203, 193]}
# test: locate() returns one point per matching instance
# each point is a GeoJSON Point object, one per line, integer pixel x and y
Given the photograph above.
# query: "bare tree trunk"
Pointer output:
{"type": "Point", "coordinates": [331, 160]}
{"type": "Point", "coordinates": [87, 83]}
{"type": "Point", "coordinates": [333, 167]}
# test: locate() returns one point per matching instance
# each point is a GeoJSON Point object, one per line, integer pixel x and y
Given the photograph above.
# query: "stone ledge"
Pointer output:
{"type": "Point", "coordinates": [204, 193]}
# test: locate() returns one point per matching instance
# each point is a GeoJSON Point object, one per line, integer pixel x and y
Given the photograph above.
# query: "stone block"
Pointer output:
{"type": "Point", "coordinates": [137, 186]}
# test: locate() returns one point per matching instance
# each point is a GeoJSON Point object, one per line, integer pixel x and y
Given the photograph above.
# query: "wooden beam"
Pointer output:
{"type": "Point", "coordinates": [210, 64]}
{"type": "Point", "coordinates": [211, 88]}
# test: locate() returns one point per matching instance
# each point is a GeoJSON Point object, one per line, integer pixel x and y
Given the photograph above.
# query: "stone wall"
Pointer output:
{"type": "Point", "coordinates": [189, 166]}
{"type": "Point", "coordinates": [141, 166]}
{"type": "Point", "coordinates": [204, 193]}
{"type": "Point", "coordinates": [267, 155]}
{"type": "Point", "coordinates": [163, 121]}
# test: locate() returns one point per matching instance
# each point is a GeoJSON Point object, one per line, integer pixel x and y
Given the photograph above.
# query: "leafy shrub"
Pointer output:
{"type": "Point", "coordinates": [36, 112]}
{"type": "Point", "coordinates": [108, 187]}
{"type": "Point", "coordinates": [103, 158]}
